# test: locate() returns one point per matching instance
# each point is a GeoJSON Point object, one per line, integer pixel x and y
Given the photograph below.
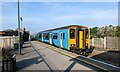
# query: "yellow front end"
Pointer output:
{"type": "Point", "coordinates": [83, 38]}
{"type": "Point", "coordinates": [80, 40]}
{"type": "Point", "coordinates": [88, 39]}
{"type": "Point", "coordinates": [72, 39]}
{"type": "Point", "coordinates": [81, 45]}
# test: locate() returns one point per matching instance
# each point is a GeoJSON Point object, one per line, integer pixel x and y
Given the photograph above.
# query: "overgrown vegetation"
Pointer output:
{"type": "Point", "coordinates": [111, 31]}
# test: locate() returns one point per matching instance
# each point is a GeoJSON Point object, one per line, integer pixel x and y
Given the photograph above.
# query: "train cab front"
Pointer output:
{"type": "Point", "coordinates": [83, 40]}
{"type": "Point", "coordinates": [72, 38]}
{"type": "Point", "coordinates": [79, 40]}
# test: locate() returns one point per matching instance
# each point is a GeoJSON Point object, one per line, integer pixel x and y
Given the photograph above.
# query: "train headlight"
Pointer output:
{"type": "Point", "coordinates": [72, 45]}
{"type": "Point", "coordinates": [86, 44]}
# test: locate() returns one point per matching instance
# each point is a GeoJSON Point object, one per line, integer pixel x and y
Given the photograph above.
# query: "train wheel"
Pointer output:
{"type": "Point", "coordinates": [83, 53]}
{"type": "Point", "coordinates": [80, 52]}
{"type": "Point", "coordinates": [73, 50]}
{"type": "Point", "coordinates": [70, 50]}
{"type": "Point", "coordinates": [86, 54]}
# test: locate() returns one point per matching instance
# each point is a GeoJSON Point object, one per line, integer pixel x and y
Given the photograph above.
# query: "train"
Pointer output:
{"type": "Point", "coordinates": [74, 38]}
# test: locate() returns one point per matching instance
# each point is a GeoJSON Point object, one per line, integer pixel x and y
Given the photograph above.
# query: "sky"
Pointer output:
{"type": "Point", "coordinates": [39, 16]}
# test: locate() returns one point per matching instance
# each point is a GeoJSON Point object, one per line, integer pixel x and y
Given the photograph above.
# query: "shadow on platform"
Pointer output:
{"type": "Point", "coordinates": [26, 47]}
{"type": "Point", "coordinates": [81, 63]}
{"type": "Point", "coordinates": [28, 62]}
{"type": "Point", "coordinates": [27, 42]}
{"type": "Point", "coordinates": [32, 51]}
{"type": "Point", "coordinates": [110, 57]}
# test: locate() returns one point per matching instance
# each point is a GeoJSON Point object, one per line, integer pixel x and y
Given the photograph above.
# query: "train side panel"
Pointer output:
{"type": "Point", "coordinates": [56, 38]}
{"type": "Point", "coordinates": [65, 39]}
{"type": "Point", "coordinates": [39, 36]}
{"type": "Point", "coordinates": [46, 37]}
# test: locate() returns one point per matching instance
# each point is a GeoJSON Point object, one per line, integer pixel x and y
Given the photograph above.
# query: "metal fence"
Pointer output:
{"type": "Point", "coordinates": [7, 42]}
{"type": "Point", "coordinates": [106, 43]}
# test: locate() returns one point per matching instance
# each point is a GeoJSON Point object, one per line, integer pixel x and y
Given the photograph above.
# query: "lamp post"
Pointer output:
{"type": "Point", "coordinates": [19, 30]}
{"type": "Point", "coordinates": [21, 22]}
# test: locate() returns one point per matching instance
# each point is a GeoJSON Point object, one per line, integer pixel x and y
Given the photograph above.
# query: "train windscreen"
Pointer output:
{"type": "Point", "coordinates": [72, 33]}
{"type": "Point", "coordinates": [86, 34]}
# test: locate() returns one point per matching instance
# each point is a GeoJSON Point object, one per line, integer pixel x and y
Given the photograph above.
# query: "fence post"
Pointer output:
{"type": "Point", "coordinates": [105, 43]}
{"type": "Point", "coordinates": [118, 43]}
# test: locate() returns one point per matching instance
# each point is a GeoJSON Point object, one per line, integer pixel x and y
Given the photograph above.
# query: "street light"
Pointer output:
{"type": "Point", "coordinates": [21, 22]}
{"type": "Point", "coordinates": [19, 30]}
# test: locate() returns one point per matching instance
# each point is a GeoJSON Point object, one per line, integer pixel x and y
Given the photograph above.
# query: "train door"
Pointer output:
{"type": "Point", "coordinates": [42, 36]}
{"type": "Point", "coordinates": [61, 37]}
{"type": "Point", "coordinates": [50, 38]}
{"type": "Point", "coordinates": [81, 38]}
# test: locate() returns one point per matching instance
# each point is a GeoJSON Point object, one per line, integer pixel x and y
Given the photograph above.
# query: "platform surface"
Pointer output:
{"type": "Point", "coordinates": [37, 57]}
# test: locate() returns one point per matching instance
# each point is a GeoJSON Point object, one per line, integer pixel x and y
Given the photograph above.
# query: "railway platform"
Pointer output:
{"type": "Point", "coordinates": [37, 57]}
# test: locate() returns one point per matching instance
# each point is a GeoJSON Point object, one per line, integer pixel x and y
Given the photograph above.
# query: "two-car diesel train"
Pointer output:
{"type": "Point", "coordinates": [73, 38]}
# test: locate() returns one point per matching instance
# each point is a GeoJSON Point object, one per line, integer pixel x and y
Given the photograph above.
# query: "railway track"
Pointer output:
{"type": "Point", "coordinates": [100, 66]}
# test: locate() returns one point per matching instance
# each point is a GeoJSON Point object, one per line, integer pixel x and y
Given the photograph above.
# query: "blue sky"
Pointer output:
{"type": "Point", "coordinates": [38, 16]}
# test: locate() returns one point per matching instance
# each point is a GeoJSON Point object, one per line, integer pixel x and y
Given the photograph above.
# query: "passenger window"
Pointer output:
{"type": "Point", "coordinates": [72, 33]}
{"type": "Point", "coordinates": [40, 36]}
{"type": "Point", "coordinates": [45, 36]}
{"type": "Point", "coordinates": [63, 35]}
{"type": "Point", "coordinates": [55, 36]}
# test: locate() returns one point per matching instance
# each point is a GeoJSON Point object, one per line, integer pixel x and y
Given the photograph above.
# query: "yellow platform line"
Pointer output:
{"type": "Point", "coordinates": [72, 56]}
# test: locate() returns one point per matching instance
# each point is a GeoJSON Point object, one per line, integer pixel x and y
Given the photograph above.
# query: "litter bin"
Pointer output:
{"type": "Point", "coordinates": [9, 63]}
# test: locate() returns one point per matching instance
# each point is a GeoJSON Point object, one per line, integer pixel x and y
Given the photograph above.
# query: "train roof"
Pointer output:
{"type": "Point", "coordinates": [65, 27]}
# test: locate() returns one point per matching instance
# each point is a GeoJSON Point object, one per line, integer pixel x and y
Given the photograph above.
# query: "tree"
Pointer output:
{"type": "Point", "coordinates": [117, 31]}
{"type": "Point", "coordinates": [94, 31]}
{"type": "Point", "coordinates": [110, 26]}
{"type": "Point", "coordinates": [8, 30]}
